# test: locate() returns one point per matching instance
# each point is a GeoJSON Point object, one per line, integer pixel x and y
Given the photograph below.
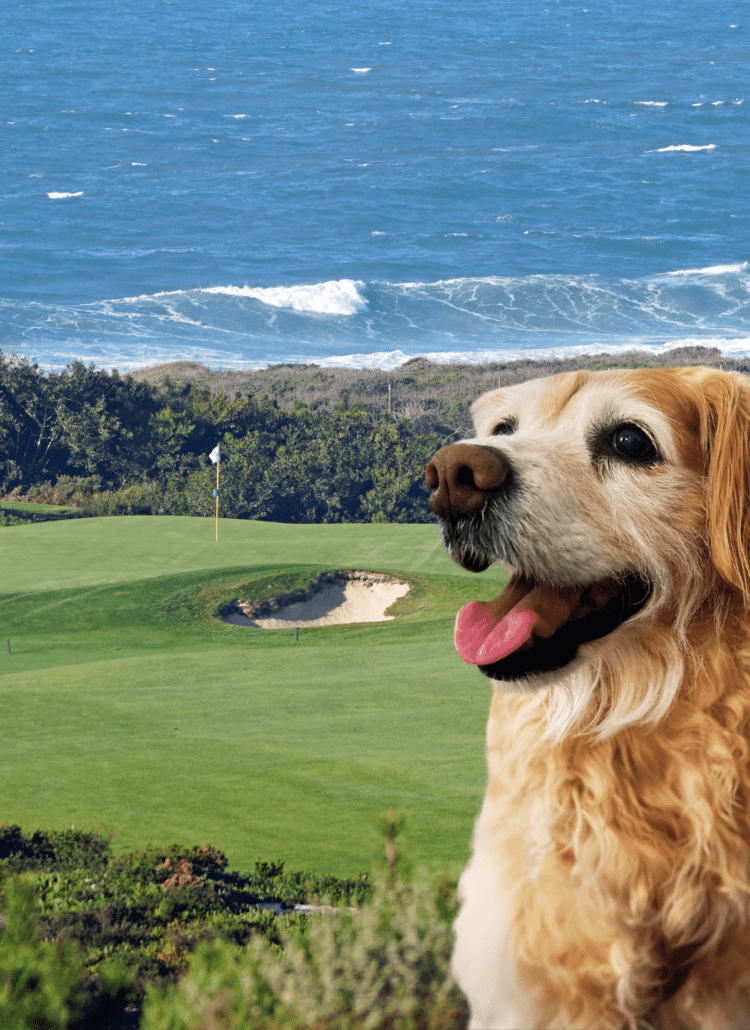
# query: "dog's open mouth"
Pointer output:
{"type": "Point", "coordinates": [533, 628]}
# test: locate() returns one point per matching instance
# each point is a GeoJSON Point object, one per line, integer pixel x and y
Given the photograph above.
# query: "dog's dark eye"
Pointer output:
{"type": "Point", "coordinates": [510, 425]}
{"type": "Point", "coordinates": [632, 442]}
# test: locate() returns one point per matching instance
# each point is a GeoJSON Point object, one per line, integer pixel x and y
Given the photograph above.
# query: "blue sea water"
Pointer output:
{"type": "Point", "coordinates": [242, 183]}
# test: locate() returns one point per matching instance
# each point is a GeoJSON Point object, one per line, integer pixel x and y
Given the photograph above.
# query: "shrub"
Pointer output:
{"type": "Point", "coordinates": [11, 520]}
{"type": "Point", "coordinates": [40, 983]}
{"type": "Point", "coordinates": [137, 499]}
{"type": "Point", "coordinates": [63, 849]}
{"type": "Point", "coordinates": [382, 966]}
{"type": "Point", "coordinates": [115, 923]}
{"type": "Point", "coordinates": [73, 491]}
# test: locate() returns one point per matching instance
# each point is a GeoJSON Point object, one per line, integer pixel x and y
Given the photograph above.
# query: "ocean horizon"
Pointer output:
{"type": "Point", "coordinates": [355, 187]}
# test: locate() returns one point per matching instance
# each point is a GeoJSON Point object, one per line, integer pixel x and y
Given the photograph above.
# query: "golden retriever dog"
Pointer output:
{"type": "Point", "coordinates": [609, 885]}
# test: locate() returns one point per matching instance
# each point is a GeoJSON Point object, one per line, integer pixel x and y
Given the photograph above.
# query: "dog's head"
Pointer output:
{"type": "Point", "coordinates": [619, 501]}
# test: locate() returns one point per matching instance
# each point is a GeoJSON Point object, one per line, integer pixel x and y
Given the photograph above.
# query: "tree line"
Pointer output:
{"type": "Point", "coordinates": [299, 443]}
{"type": "Point", "coordinates": [116, 444]}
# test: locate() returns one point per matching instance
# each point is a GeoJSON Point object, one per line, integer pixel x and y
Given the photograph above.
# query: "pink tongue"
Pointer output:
{"type": "Point", "coordinates": [481, 640]}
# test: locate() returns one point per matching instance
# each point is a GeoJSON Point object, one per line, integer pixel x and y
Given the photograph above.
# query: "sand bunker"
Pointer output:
{"type": "Point", "coordinates": [331, 599]}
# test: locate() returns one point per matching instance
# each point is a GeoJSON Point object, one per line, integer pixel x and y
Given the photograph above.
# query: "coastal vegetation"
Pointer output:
{"type": "Point", "coordinates": [168, 939]}
{"type": "Point", "coordinates": [299, 443]}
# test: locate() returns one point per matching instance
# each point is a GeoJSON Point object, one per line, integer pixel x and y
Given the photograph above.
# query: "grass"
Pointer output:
{"type": "Point", "coordinates": [128, 705]}
{"type": "Point", "coordinates": [52, 509]}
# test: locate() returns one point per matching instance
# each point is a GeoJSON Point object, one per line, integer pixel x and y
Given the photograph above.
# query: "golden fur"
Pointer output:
{"type": "Point", "coordinates": [611, 855]}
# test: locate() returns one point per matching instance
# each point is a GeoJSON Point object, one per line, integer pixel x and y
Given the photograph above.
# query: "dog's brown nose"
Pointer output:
{"type": "Point", "coordinates": [460, 476]}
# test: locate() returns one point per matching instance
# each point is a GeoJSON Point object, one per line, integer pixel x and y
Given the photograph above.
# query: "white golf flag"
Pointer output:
{"type": "Point", "coordinates": [214, 455]}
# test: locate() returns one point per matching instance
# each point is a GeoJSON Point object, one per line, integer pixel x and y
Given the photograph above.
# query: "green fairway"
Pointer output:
{"type": "Point", "coordinates": [127, 704]}
{"type": "Point", "coordinates": [53, 509]}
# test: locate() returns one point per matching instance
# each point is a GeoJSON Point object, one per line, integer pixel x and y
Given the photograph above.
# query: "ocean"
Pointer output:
{"type": "Point", "coordinates": [355, 185]}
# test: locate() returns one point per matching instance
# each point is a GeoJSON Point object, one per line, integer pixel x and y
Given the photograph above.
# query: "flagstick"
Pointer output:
{"type": "Point", "coordinates": [217, 501]}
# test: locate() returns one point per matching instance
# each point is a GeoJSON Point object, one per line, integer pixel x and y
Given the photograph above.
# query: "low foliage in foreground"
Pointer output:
{"type": "Point", "coordinates": [85, 935]}
{"type": "Point", "coordinates": [382, 965]}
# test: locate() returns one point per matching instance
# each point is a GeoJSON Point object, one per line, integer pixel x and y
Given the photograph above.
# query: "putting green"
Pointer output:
{"type": "Point", "coordinates": [112, 550]}
{"type": "Point", "coordinates": [125, 706]}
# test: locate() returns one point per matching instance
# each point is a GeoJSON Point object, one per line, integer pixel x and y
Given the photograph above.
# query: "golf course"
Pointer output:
{"type": "Point", "coordinates": [129, 706]}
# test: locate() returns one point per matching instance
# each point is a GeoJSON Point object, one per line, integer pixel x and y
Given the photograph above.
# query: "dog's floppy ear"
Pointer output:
{"type": "Point", "coordinates": [726, 435]}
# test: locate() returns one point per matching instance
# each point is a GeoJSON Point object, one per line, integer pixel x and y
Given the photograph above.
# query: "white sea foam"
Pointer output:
{"type": "Point", "coordinates": [236, 116]}
{"type": "Point", "coordinates": [712, 269]}
{"type": "Point", "coordinates": [682, 146]}
{"type": "Point", "coordinates": [214, 357]}
{"type": "Point", "coordinates": [339, 297]}
{"type": "Point", "coordinates": [651, 103]}
{"type": "Point", "coordinates": [379, 359]}
{"type": "Point", "coordinates": [61, 196]}
{"type": "Point", "coordinates": [387, 360]}
{"type": "Point", "coordinates": [360, 71]}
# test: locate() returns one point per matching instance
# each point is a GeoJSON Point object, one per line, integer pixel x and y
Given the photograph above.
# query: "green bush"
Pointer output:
{"type": "Point", "coordinates": [137, 499]}
{"type": "Point", "coordinates": [129, 921]}
{"type": "Point", "coordinates": [146, 911]}
{"type": "Point", "coordinates": [61, 849]}
{"type": "Point", "coordinates": [74, 491]}
{"type": "Point", "coordinates": [11, 520]}
{"type": "Point", "coordinates": [40, 983]}
{"type": "Point", "coordinates": [381, 966]}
